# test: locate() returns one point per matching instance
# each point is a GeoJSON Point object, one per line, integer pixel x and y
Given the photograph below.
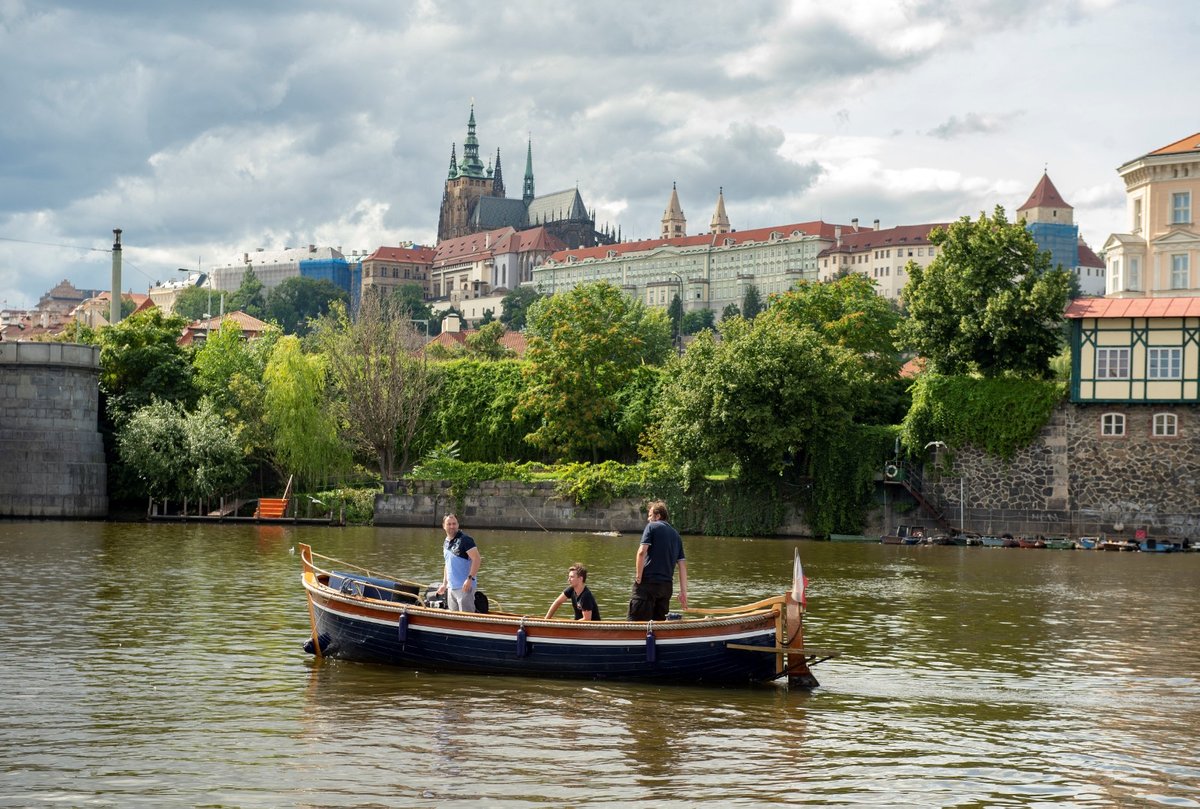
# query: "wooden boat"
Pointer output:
{"type": "Point", "coordinates": [905, 535]}
{"type": "Point", "coordinates": [358, 614]}
{"type": "Point", "coordinates": [1031, 542]}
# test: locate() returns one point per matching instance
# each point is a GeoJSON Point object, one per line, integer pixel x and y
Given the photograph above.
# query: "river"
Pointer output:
{"type": "Point", "coordinates": [161, 665]}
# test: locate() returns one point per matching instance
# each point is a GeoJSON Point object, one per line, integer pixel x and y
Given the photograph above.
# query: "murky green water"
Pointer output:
{"type": "Point", "coordinates": [161, 665]}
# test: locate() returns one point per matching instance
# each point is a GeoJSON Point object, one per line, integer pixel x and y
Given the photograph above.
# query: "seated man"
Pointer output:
{"type": "Point", "coordinates": [582, 600]}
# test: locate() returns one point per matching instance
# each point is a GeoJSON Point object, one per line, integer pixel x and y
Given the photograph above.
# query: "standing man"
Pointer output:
{"type": "Point", "coordinates": [462, 563]}
{"type": "Point", "coordinates": [654, 569]}
{"type": "Point", "coordinates": [582, 600]}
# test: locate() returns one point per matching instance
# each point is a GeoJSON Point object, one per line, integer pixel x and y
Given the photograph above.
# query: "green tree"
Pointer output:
{"type": "Point", "coordinates": [731, 310]}
{"type": "Point", "coordinates": [408, 300]}
{"type": "Point", "coordinates": [751, 303]}
{"type": "Point", "coordinates": [514, 307]}
{"type": "Point", "coordinates": [484, 342]}
{"type": "Point", "coordinates": [847, 312]}
{"type": "Point", "coordinates": [988, 302]}
{"type": "Point", "coordinates": [181, 454]}
{"type": "Point", "coordinates": [303, 431]}
{"type": "Point", "coordinates": [140, 360]}
{"type": "Point", "coordinates": [249, 297]}
{"type": "Point", "coordinates": [229, 370]}
{"type": "Point", "coordinates": [382, 378]}
{"type": "Point", "coordinates": [756, 400]}
{"type": "Point", "coordinates": [489, 316]}
{"type": "Point", "coordinates": [192, 303]}
{"type": "Point", "coordinates": [675, 315]}
{"type": "Point", "coordinates": [584, 345]}
{"type": "Point", "coordinates": [699, 320]}
{"type": "Point", "coordinates": [299, 300]}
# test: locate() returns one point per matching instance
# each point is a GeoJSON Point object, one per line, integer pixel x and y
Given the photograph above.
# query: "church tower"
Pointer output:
{"type": "Point", "coordinates": [674, 225]}
{"type": "Point", "coordinates": [527, 194]}
{"type": "Point", "coordinates": [720, 222]}
{"type": "Point", "coordinates": [1051, 222]}
{"type": "Point", "coordinates": [466, 182]}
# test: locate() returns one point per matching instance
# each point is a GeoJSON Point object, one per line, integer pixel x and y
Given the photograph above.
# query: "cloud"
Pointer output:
{"type": "Point", "coordinates": [973, 124]}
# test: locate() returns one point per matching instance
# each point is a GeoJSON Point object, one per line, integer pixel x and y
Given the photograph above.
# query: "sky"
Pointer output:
{"type": "Point", "coordinates": [206, 130]}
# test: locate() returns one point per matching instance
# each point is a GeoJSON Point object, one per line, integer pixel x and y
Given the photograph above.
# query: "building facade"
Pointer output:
{"type": "Point", "coordinates": [879, 254]}
{"type": "Point", "coordinates": [472, 273]}
{"type": "Point", "coordinates": [1159, 254]}
{"type": "Point", "coordinates": [390, 267]}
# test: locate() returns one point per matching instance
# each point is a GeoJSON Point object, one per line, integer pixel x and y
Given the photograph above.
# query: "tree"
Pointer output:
{"type": "Point", "coordinates": [583, 347]}
{"type": "Point", "coordinates": [489, 315]}
{"type": "Point", "coordinates": [731, 310]}
{"type": "Point", "coordinates": [698, 320]}
{"type": "Point", "coordinates": [845, 312]}
{"type": "Point", "coordinates": [229, 370]}
{"type": "Point", "coordinates": [484, 343]}
{"type": "Point", "coordinates": [181, 454]}
{"type": "Point", "coordinates": [988, 302]}
{"type": "Point", "coordinates": [675, 315]}
{"type": "Point", "coordinates": [249, 297]}
{"type": "Point", "coordinates": [514, 307]}
{"type": "Point", "coordinates": [756, 400]}
{"type": "Point", "coordinates": [192, 303]}
{"type": "Point", "coordinates": [299, 300]}
{"type": "Point", "coordinates": [140, 360]}
{"type": "Point", "coordinates": [382, 377]}
{"type": "Point", "coordinates": [303, 431]}
{"type": "Point", "coordinates": [751, 303]}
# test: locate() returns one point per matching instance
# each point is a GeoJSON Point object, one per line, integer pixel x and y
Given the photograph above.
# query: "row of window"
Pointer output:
{"type": "Point", "coordinates": [1161, 363]}
{"type": "Point", "coordinates": [1162, 425]}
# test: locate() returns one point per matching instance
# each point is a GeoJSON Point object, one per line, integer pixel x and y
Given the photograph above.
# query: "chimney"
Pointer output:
{"type": "Point", "coordinates": [837, 234]}
{"type": "Point", "coordinates": [114, 306]}
{"type": "Point", "coordinates": [876, 224]}
{"type": "Point", "coordinates": [854, 224]}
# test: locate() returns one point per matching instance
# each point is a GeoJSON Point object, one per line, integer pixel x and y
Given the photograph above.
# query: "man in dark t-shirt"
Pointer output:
{"type": "Point", "coordinates": [582, 600]}
{"type": "Point", "coordinates": [659, 553]}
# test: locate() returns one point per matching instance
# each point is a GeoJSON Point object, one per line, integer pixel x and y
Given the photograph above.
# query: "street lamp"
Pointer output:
{"type": "Point", "coordinates": [962, 486]}
{"type": "Point", "coordinates": [679, 325]}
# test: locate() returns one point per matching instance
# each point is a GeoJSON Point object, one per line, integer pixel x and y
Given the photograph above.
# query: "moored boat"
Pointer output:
{"type": "Point", "coordinates": [1060, 543]}
{"type": "Point", "coordinates": [1031, 542]}
{"type": "Point", "coordinates": [1088, 543]}
{"type": "Point", "coordinates": [358, 614]}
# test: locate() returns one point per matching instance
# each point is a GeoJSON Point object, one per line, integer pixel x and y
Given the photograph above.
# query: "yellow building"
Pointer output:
{"type": "Point", "coordinates": [1160, 253]}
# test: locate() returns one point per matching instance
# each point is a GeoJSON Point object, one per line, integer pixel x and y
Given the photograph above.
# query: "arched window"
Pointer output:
{"type": "Point", "coordinates": [1112, 424]}
{"type": "Point", "coordinates": [1166, 425]}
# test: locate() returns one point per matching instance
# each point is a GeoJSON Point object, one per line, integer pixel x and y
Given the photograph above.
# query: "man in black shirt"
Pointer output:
{"type": "Point", "coordinates": [658, 556]}
{"type": "Point", "coordinates": [582, 600]}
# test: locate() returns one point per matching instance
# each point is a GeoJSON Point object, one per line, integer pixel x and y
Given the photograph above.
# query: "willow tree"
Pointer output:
{"type": "Point", "coordinates": [304, 437]}
{"type": "Point", "coordinates": [383, 380]}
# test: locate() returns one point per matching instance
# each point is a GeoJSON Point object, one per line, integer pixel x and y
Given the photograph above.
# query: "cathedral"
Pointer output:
{"type": "Point", "coordinates": [474, 201]}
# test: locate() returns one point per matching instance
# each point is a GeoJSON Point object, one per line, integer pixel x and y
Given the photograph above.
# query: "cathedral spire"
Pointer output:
{"type": "Point", "coordinates": [453, 164]}
{"type": "Point", "coordinates": [527, 189]}
{"type": "Point", "coordinates": [471, 166]}
{"type": "Point", "coordinates": [720, 222]}
{"type": "Point", "coordinates": [498, 178]}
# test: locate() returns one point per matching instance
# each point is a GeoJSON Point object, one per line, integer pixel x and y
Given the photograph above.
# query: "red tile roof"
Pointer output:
{"type": "Point", "coordinates": [821, 229]}
{"type": "Point", "coordinates": [902, 235]}
{"type": "Point", "coordinates": [1088, 257]}
{"type": "Point", "coordinates": [1045, 195]}
{"type": "Point", "coordinates": [413, 255]}
{"type": "Point", "coordinates": [1133, 307]}
{"type": "Point", "coordinates": [512, 340]}
{"type": "Point", "coordinates": [471, 245]}
{"type": "Point", "coordinates": [1189, 144]}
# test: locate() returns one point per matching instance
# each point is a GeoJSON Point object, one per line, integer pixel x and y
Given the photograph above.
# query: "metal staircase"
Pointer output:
{"type": "Point", "coordinates": [908, 476]}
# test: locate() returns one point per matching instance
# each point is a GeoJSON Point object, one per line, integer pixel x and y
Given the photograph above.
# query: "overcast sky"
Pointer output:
{"type": "Point", "coordinates": [208, 129]}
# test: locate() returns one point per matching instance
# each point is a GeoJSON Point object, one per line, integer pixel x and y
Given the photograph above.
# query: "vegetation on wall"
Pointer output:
{"type": "Point", "coordinates": [843, 468]}
{"type": "Point", "coordinates": [998, 415]}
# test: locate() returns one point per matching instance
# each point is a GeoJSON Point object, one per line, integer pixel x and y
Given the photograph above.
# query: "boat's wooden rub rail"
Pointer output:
{"type": "Point", "coordinates": [814, 656]}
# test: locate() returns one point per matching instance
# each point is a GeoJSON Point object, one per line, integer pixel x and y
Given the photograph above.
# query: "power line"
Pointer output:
{"type": "Point", "coordinates": [53, 244]}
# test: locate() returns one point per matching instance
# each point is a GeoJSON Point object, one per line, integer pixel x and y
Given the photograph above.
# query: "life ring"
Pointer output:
{"type": "Point", "coordinates": [890, 470]}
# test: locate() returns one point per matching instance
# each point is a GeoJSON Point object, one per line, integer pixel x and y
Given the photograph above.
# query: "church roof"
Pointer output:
{"type": "Point", "coordinates": [557, 207]}
{"type": "Point", "coordinates": [1044, 195]}
{"type": "Point", "coordinates": [488, 213]}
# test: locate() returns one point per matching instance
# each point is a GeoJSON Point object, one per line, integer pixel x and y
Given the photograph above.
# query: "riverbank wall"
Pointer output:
{"type": "Point", "coordinates": [51, 452]}
{"type": "Point", "coordinates": [523, 506]}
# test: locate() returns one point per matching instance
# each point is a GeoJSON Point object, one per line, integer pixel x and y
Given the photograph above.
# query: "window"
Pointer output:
{"type": "Point", "coordinates": [1112, 363]}
{"type": "Point", "coordinates": [1179, 271]}
{"type": "Point", "coordinates": [1112, 424]}
{"type": "Point", "coordinates": [1137, 216]}
{"type": "Point", "coordinates": [1165, 363]}
{"type": "Point", "coordinates": [1165, 425]}
{"type": "Point", "coordinates": [1181, 208]}
{"type": "Point", "coordinates": [1135, 275]}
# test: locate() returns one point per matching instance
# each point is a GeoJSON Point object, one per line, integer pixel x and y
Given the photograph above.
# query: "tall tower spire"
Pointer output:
{"type": "Point", "coordinates": [674, 225]}
{"type": "Point", "coordinates": [498, 178]}
{"type": "Point", "coordinates": [720, 222]}
{"type": "Point", "coordinates": [471, 166]}
{"type": "Point", "coordinates": [527, 189]}
{"type": "Point", "coordinates": [453, 164]}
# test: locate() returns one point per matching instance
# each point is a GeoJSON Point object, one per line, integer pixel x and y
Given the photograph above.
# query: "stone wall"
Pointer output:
{"type": "Point", "coordinates": [51, 453]}
{"type": "Point", "coordinates": [1073, 481]}
{"type": "Point", "coordinates": [523, 506]}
